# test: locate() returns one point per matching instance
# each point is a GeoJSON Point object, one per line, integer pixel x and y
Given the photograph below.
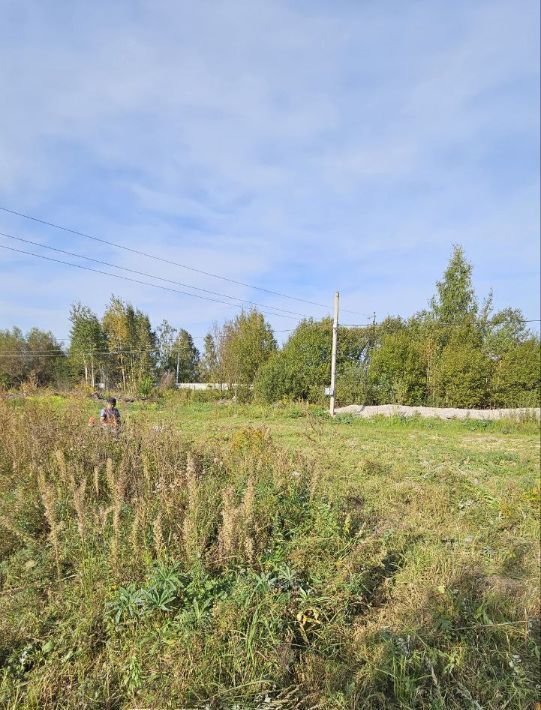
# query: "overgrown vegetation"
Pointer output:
{"type": "Point", "coordinates": [238, 565]}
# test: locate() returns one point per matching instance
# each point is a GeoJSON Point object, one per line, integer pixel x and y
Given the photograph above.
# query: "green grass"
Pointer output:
{"type": "Point", "coordinates": [383, 563]}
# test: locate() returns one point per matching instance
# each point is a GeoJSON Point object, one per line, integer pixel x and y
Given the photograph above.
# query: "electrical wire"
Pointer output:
{"type": "Point", "coordinates": [137, 281]}
{"type": "Point", "coordinates": [167, 261]}
{"type": "Point", "coordinates": [151, 276]}
{"type": "Point", "coordinates": [436, 323]}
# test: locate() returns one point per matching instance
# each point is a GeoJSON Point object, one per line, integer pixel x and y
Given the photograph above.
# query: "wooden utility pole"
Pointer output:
{"type": "Point", "coordinates": [333, 356]}
{"type": "Point", "coordinates": [178, 364]}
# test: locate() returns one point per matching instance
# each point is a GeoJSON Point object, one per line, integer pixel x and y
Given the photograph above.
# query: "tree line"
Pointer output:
{"type": "Point", "coordinates": [457, 352]}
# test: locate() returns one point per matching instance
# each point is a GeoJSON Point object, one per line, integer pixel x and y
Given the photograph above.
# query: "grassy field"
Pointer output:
{"type": "Point", "coordinates": [238, 556]}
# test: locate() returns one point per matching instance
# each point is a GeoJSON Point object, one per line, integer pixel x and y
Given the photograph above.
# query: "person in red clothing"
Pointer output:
{"type": "Point", "coordinates": [109, 415]}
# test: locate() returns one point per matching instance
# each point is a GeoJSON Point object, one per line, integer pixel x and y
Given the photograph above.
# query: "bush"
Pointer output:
{"type": "Point", "coordinates": [353, 386]}
{"type": "Point", "coordinates": [517, 376]}
{"type": "Point", "coordinates": [145, 387]}
{"type": "Point", "coordinates": [164, 568]}
{"type": "Point", "coordinates": [462, 377]}
{"type": "Point", "coordinates": [302, 369]}
{"type": "Point", "coordinates": [279, 379]}
{"type": "Point", "coordinates": [398, 370]}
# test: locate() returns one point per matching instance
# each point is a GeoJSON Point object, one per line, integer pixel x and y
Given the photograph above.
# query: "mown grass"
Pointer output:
{"type": "Point", "coordinates": [245, 556]}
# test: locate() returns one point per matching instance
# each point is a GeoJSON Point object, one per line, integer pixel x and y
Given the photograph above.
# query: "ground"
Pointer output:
{"type": "Point", "coordinates": [454, 507]}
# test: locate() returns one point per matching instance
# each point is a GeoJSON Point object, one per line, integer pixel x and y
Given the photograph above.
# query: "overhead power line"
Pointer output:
{"type": "Point", "coordinates": [436, 323]}
{"type": "Point", "coordinates": [151, 276]}
{"type": "Point", "coordinates": [168, 261]}
{"type": "Point", "coordinates": [137, 281]}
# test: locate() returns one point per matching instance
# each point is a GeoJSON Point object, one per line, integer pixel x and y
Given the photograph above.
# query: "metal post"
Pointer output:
{"type": "Point", "coordinates": [333, 356]}
{"type": "Point", "coordinates": [178, 364]}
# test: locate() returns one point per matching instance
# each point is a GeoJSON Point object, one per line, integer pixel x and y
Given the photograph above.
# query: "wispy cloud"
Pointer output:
{"type": "Point", "coordinates": [300, 146]}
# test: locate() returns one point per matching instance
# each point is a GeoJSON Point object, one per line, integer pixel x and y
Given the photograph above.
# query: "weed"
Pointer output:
{"type": "Point", "coordinates": [385, 563]}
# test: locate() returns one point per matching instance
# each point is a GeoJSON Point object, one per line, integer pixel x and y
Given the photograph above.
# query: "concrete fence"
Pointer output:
{"type": "Point", "coordinates": [400, 410]}
{"type": "Point", "coordinates": [222, 387]}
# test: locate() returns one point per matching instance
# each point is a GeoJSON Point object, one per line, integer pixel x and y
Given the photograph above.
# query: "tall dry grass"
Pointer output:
{"type": "Point", "coordinates": [144, 571]}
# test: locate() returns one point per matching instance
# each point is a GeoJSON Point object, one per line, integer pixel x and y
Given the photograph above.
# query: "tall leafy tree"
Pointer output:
{"type": "Point", "coordinates": [45, 356]}
{"type": "Point", "coordinates": [131, 341]}
{"type": "Point", "coordinates": [505, 331]}
{"type": "Point", "coordinates": [88, 342]}
{"type": "Point", "coordinates": [144, 358]}
{"type": "Point", "coordinates": [38, 356]}
{"type": "Point", "coordinates": [186, 356]}
{"type": "Point", "coordinates": [398, 369]}
{"type": "Point", "coordinates": [115, 325]}
{"type": "Point", "coordinates": [302, 368]}
{"type": "Point", "coordinates": [166, 335]}
{"type": "Point", "coordinates": [209, 360]}
{"type": "Point", "coordinates": [517, 376]}
{"type": "Point", "coordinates": [13, 360]}
{"type": "Point", "coordinates": [245, 343]}
{"type": "Point", "coordinates": [455, 301]}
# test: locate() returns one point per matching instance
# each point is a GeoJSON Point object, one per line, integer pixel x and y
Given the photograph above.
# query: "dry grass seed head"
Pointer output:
{"type": "Point", "coordinates": [79, 506]}
{"type": "Point", "coordinates": [66, 472]}
{"type": "Point", "coordinates": [109, 475]}
{"type": "Point", "coordinates": [49, 503]}
{"type": "Point", "coordinates": [136, 524]}
{"type": "Point", "coordinates": [146, 471]}
{"type": "Point", "coordinates": [227, 533]}
{"type": "Point", "coordinates": [101, 516]}
{"type": "Point", "coordinates": [191, 483]}
{"type": "Point", "coordinates": [119, 488]}
{"type": "Point", "coordinates": [157, 535]}
{"type": "Point", "coordinates": [96, 481]}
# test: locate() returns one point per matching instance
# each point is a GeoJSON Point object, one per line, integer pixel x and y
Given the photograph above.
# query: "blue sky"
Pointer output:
{"type": "Point", "coordinates": [300, 146]}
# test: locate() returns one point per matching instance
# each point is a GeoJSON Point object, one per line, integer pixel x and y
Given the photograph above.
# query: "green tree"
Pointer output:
{"type": "Point", "coordinates": [504, 331]}
{"type": "Point", "coordinates": [143, 359]}
{"type": "Point", "coordinates": [398, 369]}
{"type": "Point", "coordinates": [38, 356]}
{"type": "Point", "coordinates": [166, 335]}
{"type": "Point", "coordinates": [131, 342]}
{"type": "Point", "coordinates": [186, 355]}
{"type": "Point", "coordinates": [302, 369]}
{"type": "Point", "coordinates": [244, 344]}
{"type": "Point", "coordinates": [455, 301]}
{"type": "Point", "coordinates": [462, 377]}
{"type": "Point", "coordinates": [88, 343]}
{"type": "Point", "coordinates": [13, 360]}
{"type": "Point", "coordinates": [116, 328]}
{"type": "Point", "coordinates": [517, 376]}
{"type": "Point", "coordinates": [45, 356]}
{"type": "Point", "coordinates": [209, 360]}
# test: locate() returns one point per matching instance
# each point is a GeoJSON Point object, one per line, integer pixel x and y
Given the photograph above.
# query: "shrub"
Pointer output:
{"type": "Point", "coordinates": [279, 379]}
{"type": "Point", "coordinates": [302, 369]}
{"type": "Point", "coordinates": [145, 386]}
{"type": "Point", "coordinates": [353, 385]}
{"type": "Point", "coordinates": [398, 370]}
{"type": "Point", "coordinates": [517, 376]}
{"type": "Point", "coordinates": [461, 377]}
{"type": "Point", "coordinates": [197, 570]}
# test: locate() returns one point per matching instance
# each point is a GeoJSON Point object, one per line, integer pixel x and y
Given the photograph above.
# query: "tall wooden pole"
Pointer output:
{"type": "Point", "coordinates": [333, 356]}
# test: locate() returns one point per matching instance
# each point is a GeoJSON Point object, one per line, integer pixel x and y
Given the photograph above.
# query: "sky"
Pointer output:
{"type": "Point", "coordinates": [300, 146]}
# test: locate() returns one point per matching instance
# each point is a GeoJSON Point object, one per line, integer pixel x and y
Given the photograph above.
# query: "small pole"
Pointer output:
{"type": "Point", "coordinates": [178, 364]}
{"type": "Point", "coordinates": [92, 369]}
{"type": "Point", "coordinates": [333, 356]}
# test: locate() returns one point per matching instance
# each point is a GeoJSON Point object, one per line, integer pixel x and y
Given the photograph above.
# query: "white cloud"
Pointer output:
{"type": "Point", "coordinates": [288, 144]}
